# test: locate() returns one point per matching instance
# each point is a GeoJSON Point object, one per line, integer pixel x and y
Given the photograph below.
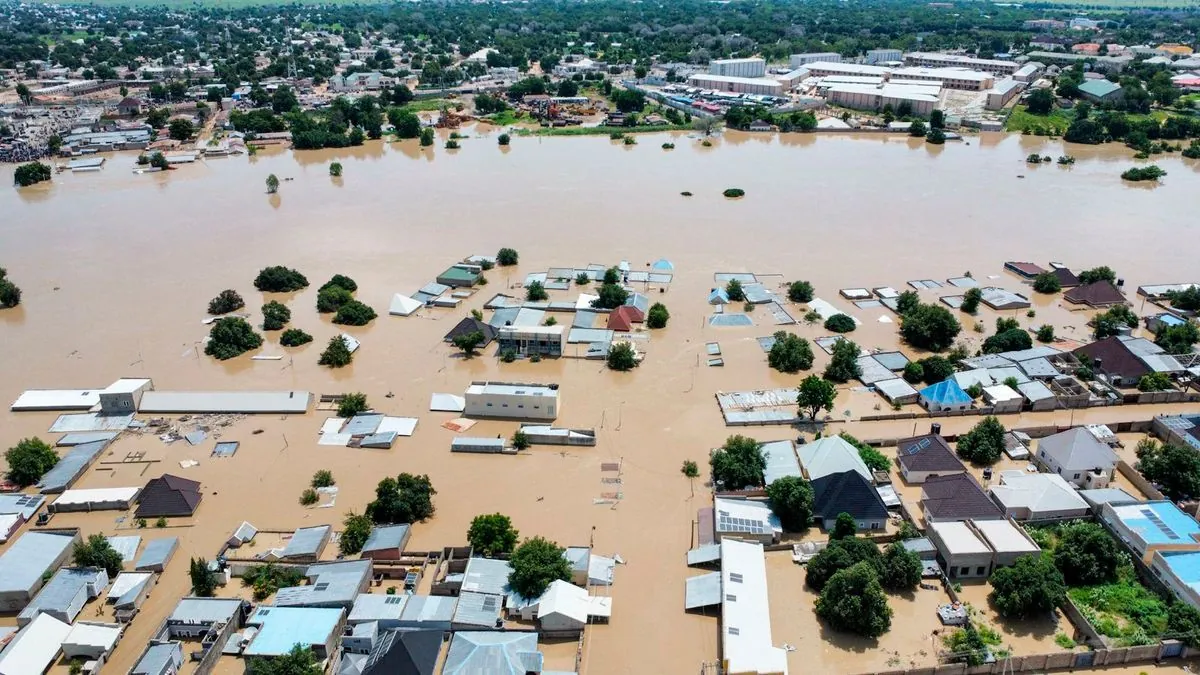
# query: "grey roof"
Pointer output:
{"type": "Point", "coordinates": [334, 583]}
{"type": "Point", "coordinates": [1039, 367]}
{"type": "Point", "coordinates": [205, 610]}
{"type": "Point", "coordinates": [1109, 495]}
{"type": "Point", "coordinates": [157, 553]}
{"type": "Point", "coordinates": [1077, 449]}
{"type": "Point", "coordinates": [70, 466]}
{"type": "Point", "coordinates": [433, 288]}
{"type": "Point", "coordinates": [81, 437]}
{"type": "Point", "coordinates": [360, 425]}
{"type": "Point", "coordinates": [375, 607]}
{"type": "Point", "coordinates": [26, 505]}
{"type": "Point", "coordinates": [126, 545]}
{"type": "Point", "coordinates": [386, 537]}
{"type": "Point", "coordinates": [1035, 391]}
{"type": "Point", "coordinates": [781, 461]}
{"type": "Point", "coordinates": [487, 575]}
{"type": "Point", "coordinates": [156, 657]}
{"type": "Point", "coordinates": [478, 609]}
{"type": "Point", "coordinates": [128, 586]}
{"type": "Point", "coordinates": [873, 371]}
{"type": "Point", "coordinates": [987, 361]}
{"type": "Point", "coordinates": [702, 591]}
{"type": "Point", "coordinates": [707, 553]}
{"type": "Point", "coordinates": [62, 590]}
{"type": "Point", "coordinates": [921, 546]}
{"type": "Point", "coordinates": [892, 360]}
{"type": "Point", "coordinates": [428, 609]}
{"type": "Point", "coordinates": [1040, 351]}
{"type": "Point", "coordinates": [999, 298]}
{"type": "Point", "coordinates": [490, 653]}
{"type": "Point", "coordinates": [1155, 358]}
{"type": "Point", "coordinates": [578, 557]}
{"type": "Point", "coordinates": [589, 335]}
{"type": "Point", "coordinates": [504, 316]}
{"type": "Point", "coordinates": [22, 565]}
{"type": "Point", "coordinates": [249, 402]}
{"type": "Point", "coordinates": [307, 541]}
{"type": "Point", "coordinates": [895, 388]}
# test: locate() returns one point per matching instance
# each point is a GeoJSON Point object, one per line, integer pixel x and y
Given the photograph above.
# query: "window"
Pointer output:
{"type": "Point", "coordinates": [733, 630]}
{"type": "Point", "coordinates": [489, 405]}
{"type": "Point", "coordinates": [735, 577]}
{"type": "Point", "coordinates": [521, 405]}
{"type": "Point", "coordinates": [1076, 477]}
{"type": "Point", "coordinates": [981, 571]}
{"type": "Point", "coordinates": [875, 526]}
{"type": "Point", "coordinates": [964, 570]}
{"type": "Point", "coordinates": [729, 597]}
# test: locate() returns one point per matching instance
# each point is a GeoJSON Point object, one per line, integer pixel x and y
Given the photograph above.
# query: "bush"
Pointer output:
{"type": "Point", "coordinates": [323, 478]}
{"type": "Point", "coordinates": [1045, 333]}
{"type": "Point", "coordinates": [294, 337]}
{"type": "Point", "coordinates": [492, 535]}
{"type": "Point", "coordinates": [503, 139]}
{"type": "Point", "coordinates": [936, 369]}
{"type": "Point", "coordinates": [734, 193]}
{"type": "Point", "coordinates": [336, 354]}
{"type": "Point", "coordinates": [506, 257]}
{"type": "Point", "coordinates": [335, 169]}
{"type": "Point", "coordinates": [407, 498]}
{"type": "Point", "coordinates": [1013, 339]}
{"type": "Point", "coordinates": [971, 298]}
{"type": "Point", "coordinates": [1154, 382]}
{"type": "Point", "coordinates": [929, 327]}
{"type": "Point", "coordinates": [840, 323]}
{"type": "Point", "coordinates": [10, 294]}
{"type": "Point", "coordinates": [983, 443]}
{"type": "Point", "coordinates": [356, 529]}
{"type": "Point", "coordinates": [231, 337]}
{"type": "Point", "coordinates": [1113, 321]}
{"type": "Point", "coordinates": [1086, 555]}
{"type": "Point", "coordinates": [621, 356]}
{"type": "Point", "coordinates": [800, 291]}
{"type": "Point", "coordinates": [308, 497]}
{"type": "Point", "coordinates": [843, 367]}
{"type": "Point", "coordinates": [935, 136]}
{"type": "Point", "coordinates": [1033, 586]}
{"type": "Point", "coordinates": [536, 292]}
{"type": "Point", "coordinates": [351, 405]}
{"type": "Point", "coordinates": [275, 315]}
{"type": "Point", "coordinates": [536, 563]}
{"type": "Point", "coordinates": [332, 298]}
{"type": "Point", "coordinates": [658, 316]}
{"type": "Point", "coordinates": [790, 353]}
{"type": "Point", "coordinates": [1143, 173]}
{"type": "Point", "coordinates": [269, 578]}
{"type": "Point", "coordinates": [738, 464]}
{"type": "Point", "coordinates": [791, 500]}
{"type": "Point", "coordinates": [1047, 282]}
{"type": "Point", "coordinates": [354, 313]}
{"type": "Point", "coordinates": [279, 279]}
{"type": "Point", "coordinates": [33, 172]}
{"type": "Point", "coordinates": [96, 551]}
{"type": "Point", "coordinates": [225, 302]}
{"type": "Point", "coordinates": [914, 372]}
{"type": "Point", "coordinates": [29, 460]}
{"type": "Point", "coordinates": [340, 281]}
{"type": "Point", "coordinates": [668, 146]}
{"type": "Point", "coordinates": [1102, 273]}
{"type": "Point", "coordinates": [611, 296]}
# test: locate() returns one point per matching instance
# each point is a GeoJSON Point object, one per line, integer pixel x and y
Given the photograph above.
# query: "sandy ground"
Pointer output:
{"type": "Point", "coordinates": [117, 270]}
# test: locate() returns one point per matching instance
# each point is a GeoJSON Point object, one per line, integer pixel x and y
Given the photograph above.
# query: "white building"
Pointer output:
{"type": "Point", "coordinates": [512, 400]}
{"type": "Point", "coordinates": [1029, 72]}
{"type": "Point", "coordinates": [1002, 399]}
{"type": "Point", "coordinates": [935, 60]}
{"type": "Point", "coordinates": [798, 60]}
{"type": "Point", "coordinates": [1037, 496]}
{"type": "Point", "coordinates": [950, 78]}
{"type": "Point", "coordinates": [746, 643]}
{"type": "Point", "coordinates": [1003, 92]}
{"type": "Point", "coordinates": [360, 82]}
{"type": "Point", "coordinates": [746, 520]}
{"type": "Point", "coordinates": [34, 647]}
{"type": "Point", "coordinates": [825, 68]}
{"type": "Point", "coordinates": [975, 548]}
{"type": "Point", "coordinates": [565, 609]}
{"type": "Point", "coordinates": [753, 67]}
{"type": "Point", "coordinates": [922, 99]}
{"type": "Point", "coordinates": [737, 84]}
{"type": "Point", "coordinates": [883, 55]}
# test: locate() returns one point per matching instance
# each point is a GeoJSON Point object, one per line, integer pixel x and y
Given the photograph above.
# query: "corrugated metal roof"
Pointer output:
{"type": "Point", "coordinates": [249, 402]}
{"type": "Point", "coordinates": [307, 541]}
{"type": "Point", "coordinates": [477, 609]}
{"type": "Point", "coordinates": [23, 564]}
{"type": "Point", "coordinates": [195, 610]}
{"type": "Point", "coordinates": [157, 553]}
{"type": "Point", "coordinates": [507, 653]}
{"type": "Point", "coordinates": [70, 466]}
{"type": "Point", "coordinates": [387, 537]}
{"type": "Point", "coordinates": [127, 546]}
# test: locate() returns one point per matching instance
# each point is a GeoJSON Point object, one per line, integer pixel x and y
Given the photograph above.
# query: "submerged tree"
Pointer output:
{"type": "Point", "coordinates": [492, 535]}
{"type": "Point", "coordinates": [29, 460]}
{"type": "Point", "coordinates": [536, 563]}
{"type": "Point", "coordinates": [272, 184]}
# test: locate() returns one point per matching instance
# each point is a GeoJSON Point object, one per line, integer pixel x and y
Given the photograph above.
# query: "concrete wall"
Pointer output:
{"type": "Point", "coordinates": [1039, 663]}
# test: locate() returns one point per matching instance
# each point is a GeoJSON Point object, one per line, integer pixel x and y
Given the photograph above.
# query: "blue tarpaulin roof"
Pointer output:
{"type": "Point", "coordinates": [946, 392]}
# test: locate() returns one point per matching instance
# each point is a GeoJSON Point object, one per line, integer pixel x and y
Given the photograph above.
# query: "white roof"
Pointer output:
{"type": "Point", "coordinates": [224, 402]}
{"type": "Point", "coordinates": [831, 455]}
{"type": "Point", "coordinates": [744, 516]}
{"type": "Point", "coordinates": [849, 68]}
{"type": "Point", "coordinates": [34, 647]}
{"type": "Point", "coordinates": [958, 538]}
{"type": "Point", "coordinates": [745, 611]}
{"type": "Point", "coordinates": [57, 399]}
{"type": "Point", "coordinates": [1038, 492]}
{"type": "Point", "coordinates": [947, 73]}
{"type": "Point", "coordinates": [125, 582]}
{"type": "Point", "coordinates": [95, 495]}
{"type": "Point", "coordinates": [504, 389]}
{"type": "Point", "coordinates": [757, 81]}
{"type": "Point", "coordinates": [564, 598]}
{"type": "Point", "coordinates": [1005, 537]}
{"type": "Point", "coordinates": [402, 305]}
{"type": "Point", "coordinates": [91, 634]}
{"type": "Point", "coordinates": [126, 385]}
{"type": "Point", "coordinates": [1001, 392]}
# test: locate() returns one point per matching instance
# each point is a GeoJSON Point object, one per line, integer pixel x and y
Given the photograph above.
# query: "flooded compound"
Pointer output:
{"type": "Point", "coordinates": [117, 270]}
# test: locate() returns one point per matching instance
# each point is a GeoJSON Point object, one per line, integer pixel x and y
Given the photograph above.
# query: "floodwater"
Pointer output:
{"type": "Point", "coordinates": [117, 270]}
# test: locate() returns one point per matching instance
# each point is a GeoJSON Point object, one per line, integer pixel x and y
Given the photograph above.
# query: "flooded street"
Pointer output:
{"type": "Point", "coordinates": [117, 270]}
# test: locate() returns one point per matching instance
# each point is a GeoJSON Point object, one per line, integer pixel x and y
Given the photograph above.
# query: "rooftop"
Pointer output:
{"type": "Point", "coordinates": [512, 389]}
{"type": "Point", "coordinates": [22, 565]}
{"type": "Point", "coordinates": [193, 610]}
{"type": "Point", "coordinates": [829, 455]}
{"type": "Point", "coordinates": [1003, 536]}
{"type": "Point", "coordinates": [281, 628]}
{"type": "Point", "coordinates": [1077, 449]}
{"type": "Point", "coordinates": [376, 607]}
{"type": "Point", "coordinates": [746, 642]}
{"type": "Point", "coordinates": [307, 541]}
{"type": "Point", "coordinates": [386, 537]}
{"type": "Point", "coordinates": [1038, 492]}
{"type": "Point", "coordinates": [1157, 523]}
{"type": "Point", "coordinates": [956, 497]}
{"type": "Point", "coordinates": [491, 653]}
{"type": "Point", "coordinates": [34, 647]}
{"type": "Point", "coordinates": [328, 583]}
{"type": "Point", "coordinates": [959, 538]}
{"type": "Point", "coordinates": [927, 453]}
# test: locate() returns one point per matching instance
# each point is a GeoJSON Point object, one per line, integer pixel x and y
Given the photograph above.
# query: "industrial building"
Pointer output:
{"type": "Point", "coordinates": [875, 56]}
{"type": "Point", "coordinates": [797, 60]}
{"type": "Point", "coordinates": [531, 340]}
{"type": "Point", "coordinates": [737, 84]}
{"type": "Point", "coordinates": [512, 400]}
{"type": "Point", "coordinates": [935, 60]}
{"type": "Point", "coordinates": [1002, 92]}
{"type": "Point", "coordinates": [24, 566]}
{"type": "Point", "coordinates": [949, 78]}
{"type": "Point", "coordinates": [744, 68]}
{"type": "Point", "coordinates": [922, 99]}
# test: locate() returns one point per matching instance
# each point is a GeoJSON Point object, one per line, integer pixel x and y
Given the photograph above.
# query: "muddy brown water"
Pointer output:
{"type": "Point", "coordinates": [117, 270]}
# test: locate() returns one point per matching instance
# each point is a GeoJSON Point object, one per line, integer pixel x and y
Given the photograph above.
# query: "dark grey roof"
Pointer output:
{"type": "Point", "coordinates": [410, 652]}
{"type": "Point", "coordinates": [957, 497]}
{"type": "Point", "coordinates": [387, 537]}
{"type": "Point", "coordinates": [847, 492]}
{"type": "Point", "coordinates": [927, 453]}
{"type": "Point", "coordinates": [334, 583]}
{"type": "Point", "coordinates": [307, 541]}
{"type": "Point", "coordinates": [70, 466]}
{"type": "Point", "coordinates": [156, 657]}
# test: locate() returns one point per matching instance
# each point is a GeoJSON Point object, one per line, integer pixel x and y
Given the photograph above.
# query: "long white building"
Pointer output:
{"type": "Point", "coordinates": [512, 401]}
{"type": "Point", "coordinates": [797, 60]}
{"type": "Point", "coordinates": [881, 55]}
{"type": "Point", "coordinates": [922, 98]}
{"type": "Point", "coordinates": [951, 78]}
{"type": "Point", "coordinates": [753, 67]}
{"type": "Point", "coordinates": [936, 60]}
{"type": "Point", "coordinates": [825, 68]}
{"type": "Point", "coordinates": [740, 85]}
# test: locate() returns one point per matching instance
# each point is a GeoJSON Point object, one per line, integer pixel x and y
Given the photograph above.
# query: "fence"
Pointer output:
{"type": "Point", "coordinates": [1138, 480]}
{"type": "Point", "coordinates": [1057, 661]}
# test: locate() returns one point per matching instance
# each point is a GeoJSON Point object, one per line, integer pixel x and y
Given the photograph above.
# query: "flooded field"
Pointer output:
{"type": "Point", "coordinates": [117, 270]}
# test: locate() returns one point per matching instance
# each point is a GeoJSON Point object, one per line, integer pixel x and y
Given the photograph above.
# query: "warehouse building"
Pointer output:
{"type": "Point", "coordinates": [949, 78]}
{"type": "Point", "coordinates": [798, 60]}
{"type": "Point", "coordinates": [24, 566]}
{"type": "Point", "coordinates": [875, 56]}
{"type": "Point", "coordinates": [512, 400]}
{"type": "Point", "coordinates": [934, 60]}
{"type": "Point", "coordinates": [922, 99]}
{"type": "Point", "coordinates": [1003, 92]}
{"type": "Point", "coordinates": [738, 85]}
{"type": "Point", "coordinates": [744, 68]}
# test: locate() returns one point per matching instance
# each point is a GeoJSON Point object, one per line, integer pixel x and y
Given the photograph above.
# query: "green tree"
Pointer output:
{"type": "Point", "coordinates": [272, 184]}
{"type": "Point", "coordinates": [299, 661]}
{"type": "Point", "coordinates": [853, 601]}
{"type": "Point", "coordinates": [352, 404]}
{"type": "Point", "coordinates": [1112, 321]}
{"type": "Point", "coordinates": [874, 459]}
{"type": "Point", "coordinates": [279, 279]}
{"type": "Point", "coordinates": [230, 337]}
{"type": "Point", "coordinates": [10, 294]}
{"type": "Point", "coordinates": [929, 327]}
{"type": "Point", "coordinates": [536, 563]}
{"type": "Point", "coordinates": [738, 464]}
{"type": "Point", "coordinates": [843, 367]}
{"type": "Point", "coordinates": [1102, 273]}
{"type": "Point", "coordinates": [907, 302]}
{"type": "Point", "coordinates": [159, 161]}
{"type": "Point", "coordinates": [621, 356]}
{"type": "Point", "coordinates": [983, 443]}
{"type": "Point", "coordinates": [610, 296]}
{"type": "Point", "coordinates": [24, 93]}
{"type": "Point", "coordinates": [658, 316]}
{"type": "Point", "coordinates": [1047, 282]}
{"type": "Point", "coordinates": [917, 129]}
{"type": "Point", "coordinates": [467, 342]}
{"type": "Point", "coordinates": [536, 292]}
{"type": "Point", "coordinates": [331, 299]}
{"type": "Point", "coordinates": [308, 497]}
{"type": "Point", "coordinates": [507, 257]}
{"type": "Point", "coordinates": [935, 136]}
{"type": "Point", "coordinates": [204, 580]}
{"type": "Point", "coordinates": [405, 122]}
{"type": "Point", "coordinates": [29, 460]}
{"type": "Point", "coordinates": [840, 323]}
{"type": "Point", "coordinates": [971, 298]}
{"type": "Point", "coordinates": [1189, 298]}
{"type": "Point", "coordinates": [791, 500]}
{"type": "Point", "coordinates": [33, 172]}
{"type": "Point", "coordinates": [790, 353]}
{"type": "Point", "coordinates": [1085, 131]}
{"type": "Point", "coordinates": [503, 140]}
{"type": "Point", "coordinates": [323, 478]}
{"type": "Point", "coordinates": [492, 535]}
{"type": "Point", "coordinates": [181, 129]}
{"type": "Point", "coordinates": [1175, 469]}
{"type": "Point", "coordinates": [1178, 339]}
{"type": "Point", "coordinates": [356, 529]}
{"type": "Point", "coordinates": [844, 527]}
{"type": "Point", "coordinates": [1045, 333]}
{"type": "Point", "coordinates": [336, 354]}
{"type": "Point", "coordinates": [284, 100]}
{"type": "Point", "coordinates": [97, 552]}
{"type": "Point", "coordinates": [733, 289]}
{"type": "Point", "coordinates": [275, 315]}
{"type": "Point", "coordinates": [294, 337]}
{"type": "Point", "coordinates": [354, 313]}
{"type": "Point", "coordinates": [1040, 102]}
{"type": "Point", "coordinates": [1033, 586]}
{"type": "Point", "coordinates": [899, 569]}
{"type": "Point", "coordinates": [936, 369]}
{"type": "Point", "coordinates": [690, 469]}
{"type": "Point", "coordinates": [335, 169]}
{"type": "Point", "coordinates": [404, 499]}
{"type": "Point", "coordinates": [914, 372]}
{"type": "Point", "coordinates": [158, 117]}
{"type": "Point", "coordinates": [814, 395]}
{"type": "Point", "coordinates": [426, 135]}
{"type": "Point", "coordinates": [1086, 555]}
{"type": "Point", "coordinates": [840, 554]}
{"type": "Point", "coordinates": [1183, 620]}
{"type": "Point", "coordinates": [520, 440]}
{"type": "Point", "coordinates": [800, 291]}
{"type": "Point", "coordinates": [1154, 382]}
{"type": "Point", "coordinates": [1013, 339]}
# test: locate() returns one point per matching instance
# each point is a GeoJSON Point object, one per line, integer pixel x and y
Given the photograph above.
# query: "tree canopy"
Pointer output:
{"type": "Point", "coordinates": [204, 580]}
{"type": "Point", "coordinates": [294, 337]}
{"type": "Point", "coordinates": [230, 337]}
{"type": "Point", "coordinates": [1032, 586]}
{"type": "Point", "coordinates": [404, 499]}
{"type": "Point", "coordinates": [1112, 321]}
{"type": "Point", "coordinates": [492, 535]}
{"type": "Point", "coordinates": [791, 500]}
{"type": "Point", "coordinates": [790, 353]}
{"type": "Point", "coordinates": [95, 551]}
{"type": "Point", "coordinates": [1047, 282]}
{"type": "Point", "coordinates": [899, 568]}
{"type": "Point", "coordinates": [1178, 339]}
{"type": "Point", "coordinates": [840, 323]}
{"type": "Point", "coordinates": [300, 660]}
{"type": "Point", "coordinates": [356, 529]}
{"type": "Point", "coordinates": [354, 313]}
{"type": "Point", "coordinates": [738, 464]}
{"type": "Point", "coordinates": [853, 601]}
{"type": "Point", "coordinates": [535, 564]}
{"type": "Point", "coordinates": [506, 257]}
{"type": "Point", "coordinates": [658, 316]}
{"type": "Point", "coordinates": [971, 299]}
{"type": "Point", "coordinates": [336, 354]}
{"type": "Point", "coordinates": [814, 395]}
{"type": "Point", "coordinates": [929, 327]}
{"type": "Point", "coordinates": [843, 367]}
{"type": "Point", "coordinates": [1102, 273]}
{"type": "Point", "coordinates": [983, 443]}
{"type": "Point", "coordinates": [1175, 469]}
{"type": "Point", "coordinates": [29, 460]}
{"type": "Point", "coordinates": [275, 315]}
{"type": "Point", "coordinates": [844, 527]}
{"type": "Point", "coordinates": [353, 404]}
{"type": "Point", "coordinates": [467, 342]}
{"type": "Point", "coordinates": [1086, 555]}
{"type": "Point", "coordinates": [279, 279]}
{"type": "Point", "coordinates": [1011, 340]}
{"type": "Point", "coordinates": [840, 554]}
{"type": "Point", "coordinates": [800, 291]}
{"type": "Point", "coordinates": [622, 356]}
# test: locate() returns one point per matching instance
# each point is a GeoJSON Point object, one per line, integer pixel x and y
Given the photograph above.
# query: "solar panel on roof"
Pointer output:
{"type": "Point", "coordinates": [919, 446]}
{"type": "Point", "coordinates": [1162, 527]}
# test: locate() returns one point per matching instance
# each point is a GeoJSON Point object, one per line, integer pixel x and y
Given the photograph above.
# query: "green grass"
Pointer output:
{"type": "Point", "coordinates": [506, 118]}
{"type": "Point", "coordinates": [428, 104]}
{"type": "Point", "coordinates": [1063, 640]}
{"type": "Point", "coordinates": [1124, 610]}
{"type": "Point", "coordinates": [1055, 123]}
{"type": "Point", "coordinates": [605, 131]}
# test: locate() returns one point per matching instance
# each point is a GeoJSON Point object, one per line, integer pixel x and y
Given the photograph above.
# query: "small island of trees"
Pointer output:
{"type": "Point", "coordinates": [33, 172]}
{"type": "Point", "coordinates": [734, 193]}
{"type": "Point", "coordinates": [1143, 173]}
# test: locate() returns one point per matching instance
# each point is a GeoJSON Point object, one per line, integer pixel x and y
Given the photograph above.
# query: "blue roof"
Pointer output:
{"type": "Point", "coordinates": [718, 295]}
{"type": "Point", "coordinates": [281, 628]}
{"type": "Point", "coordinates": [1170, 320]}
{"type": "Point", "coordinates": [946, 392]}
{"type": "Point", "coordinates": [1176, 526]}
{"type": "Point", "coordinates": [1099, 88]}
{"type": "Point", "coordinates": [1185, 565]}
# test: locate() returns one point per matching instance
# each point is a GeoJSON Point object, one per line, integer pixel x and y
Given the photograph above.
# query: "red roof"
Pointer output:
{"type": "Point", "coordinates": [620, 320]}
